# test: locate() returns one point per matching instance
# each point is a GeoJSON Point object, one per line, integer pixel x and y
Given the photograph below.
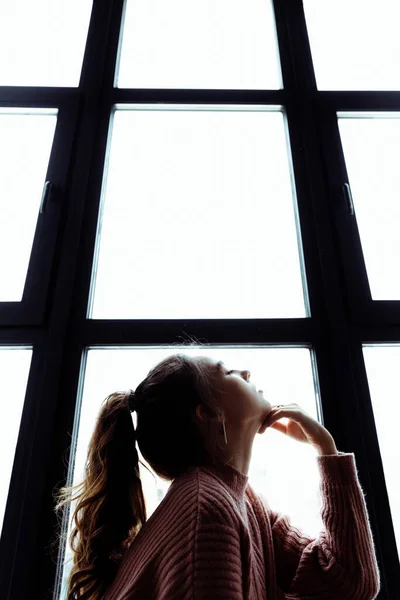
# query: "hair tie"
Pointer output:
{"type": "Point", "coordinates": [131, 400]}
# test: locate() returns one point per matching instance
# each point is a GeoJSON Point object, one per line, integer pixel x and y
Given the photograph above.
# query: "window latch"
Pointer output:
{"type": "Point", "coordinates": [48, 192]}
{"type": "Point", "coordinates": [348, 198]}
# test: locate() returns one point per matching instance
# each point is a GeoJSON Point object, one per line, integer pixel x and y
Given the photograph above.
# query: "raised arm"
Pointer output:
{"type": "Point", "coordinates": [341, 563]}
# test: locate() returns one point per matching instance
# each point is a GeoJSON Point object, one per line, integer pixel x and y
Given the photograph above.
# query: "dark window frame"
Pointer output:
{"type": "Point", "coordinates": [31, 310]}
{"type": "Point", "coordinates": [362, 308]}
{"type": "Point", "coordinates": [61, 334]}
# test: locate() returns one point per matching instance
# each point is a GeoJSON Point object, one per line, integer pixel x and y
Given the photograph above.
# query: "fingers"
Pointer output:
{"type": "Point", "coordinates": [278, 426]}
{"type": "Point", "coordinates": [286, 408]}
{"type": "Point", "coordinates": [281, 411]}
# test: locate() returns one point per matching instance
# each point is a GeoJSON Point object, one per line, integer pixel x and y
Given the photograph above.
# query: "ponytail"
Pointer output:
{"type": "Point", "coordinates": [110, 508]}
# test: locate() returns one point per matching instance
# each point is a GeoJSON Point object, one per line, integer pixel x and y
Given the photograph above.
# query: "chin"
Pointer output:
{"type": "Point", "coordinates": [262, 427]}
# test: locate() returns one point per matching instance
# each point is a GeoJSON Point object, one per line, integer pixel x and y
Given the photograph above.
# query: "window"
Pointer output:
{"type": "Point", "coordinates": [108, 370]}
{"type": "Point", "coordinates": [355, 45]}
{"type": "Point", "coordinates": [220, 212]}
{"type": "Point", "coordinates": [35, 38]}
{"type": "Point", "coordinates": [384, 383]}
{"type": "Point", "coordinates": [26, 141]}
{"type": "Point", "coordinates": [217, 171]}
{"type": "Point", "coordinates": [224, 46]}
{"type": "Point", "coordinates": [371, 144]}
{"type": "Point", "coordinates": [14, 371]}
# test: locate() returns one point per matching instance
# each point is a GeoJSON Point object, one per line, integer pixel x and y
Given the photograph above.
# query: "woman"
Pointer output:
{"type": "Point", "coordinates": [212, 536]}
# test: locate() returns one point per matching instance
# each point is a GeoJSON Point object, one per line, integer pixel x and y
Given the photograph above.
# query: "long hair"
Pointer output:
{"type": "Point", "coordinates": [110, 509]}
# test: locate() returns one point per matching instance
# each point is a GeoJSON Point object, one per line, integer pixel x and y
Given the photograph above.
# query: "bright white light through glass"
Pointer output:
{"type": "Point", "coordinates": [284, 470]}
{"type": "Point", "coordinates": [186, 44]}
{"type": "Point", "coordinates": [371, 147]}
{"type": "Point", "coordinates": [198, 217]}
{"type": "Point", "coordinates": [26, 139]}
{"type": "Point", "coordinates": [382, 366]}
{"type": "Point", "coordinates": [42, 42]}
{"type": "Point", "coordinates": [355, 45]}
{"type": "Point", "coordinates": [14, 371]}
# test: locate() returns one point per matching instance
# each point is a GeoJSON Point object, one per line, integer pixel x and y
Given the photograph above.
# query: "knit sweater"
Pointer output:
{"type": "Point", "coordinates": [212, 536]}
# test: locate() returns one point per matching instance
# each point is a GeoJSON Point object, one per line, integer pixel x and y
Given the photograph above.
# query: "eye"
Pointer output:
{"type": "Point", "coordinates": [229, 372]}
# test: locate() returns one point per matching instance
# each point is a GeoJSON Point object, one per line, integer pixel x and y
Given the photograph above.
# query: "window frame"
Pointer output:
{"type": "Point", "coordinates": [59, 341]}
{"type": "Point", "coordinates": [31, 310]}
{"type": "Point", "coordinates": [361, 306]}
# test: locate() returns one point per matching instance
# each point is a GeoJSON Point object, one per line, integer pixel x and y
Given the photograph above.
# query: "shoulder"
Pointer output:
{"type": "Point", "coordinates": [213, 500]}
{"type": "Point", "coordinates": [260, 506]}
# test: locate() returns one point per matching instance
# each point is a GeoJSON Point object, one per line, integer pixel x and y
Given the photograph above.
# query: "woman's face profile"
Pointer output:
{"type": "Point", "coordinates": [243, 404]}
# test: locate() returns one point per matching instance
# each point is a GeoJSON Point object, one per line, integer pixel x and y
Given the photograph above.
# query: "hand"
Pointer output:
{"type": "Point", "coordinates": [301, 427]}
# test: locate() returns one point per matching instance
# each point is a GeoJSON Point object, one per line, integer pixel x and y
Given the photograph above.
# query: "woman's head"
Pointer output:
{"type": "Point", "coordinates": [170, 434]}
{"type": "Point", "coordinates": [182, 404]}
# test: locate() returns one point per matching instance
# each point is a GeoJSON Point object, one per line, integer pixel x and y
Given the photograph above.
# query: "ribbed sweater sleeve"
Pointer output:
{"type": "Point", "coordinates": [217, 569]}
{"type": "Point", "coordinates": [340, 563]}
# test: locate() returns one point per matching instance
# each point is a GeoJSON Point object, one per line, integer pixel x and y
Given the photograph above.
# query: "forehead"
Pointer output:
{"type": "Point", "coordinates": [215, 365]}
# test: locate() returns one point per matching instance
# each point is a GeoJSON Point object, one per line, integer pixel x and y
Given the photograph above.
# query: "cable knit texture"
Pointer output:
{"type": "Point", "coordinates": [212, 537]}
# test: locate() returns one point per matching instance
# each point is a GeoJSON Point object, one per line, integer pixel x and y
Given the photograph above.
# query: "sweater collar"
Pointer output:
{"type": "Point", "coordinates": [230, 476]}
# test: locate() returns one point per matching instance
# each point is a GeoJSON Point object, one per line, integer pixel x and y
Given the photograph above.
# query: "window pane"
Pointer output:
{"type": "Point", "coordinates": [35, 38]}
{"type": "Point", "coordinates": [26, 139]}
{"type": "Point", "coordinates": [14, 371]}
{"type": "Point", "coordinates": [207, 44]}
{"type": "Point", "coordinates": [355, 45]}
{"type": "Point", "coordinates": [371, 147]}
{"type": "Point", "coordinates": [382, 366]}
{"type": "Point", "coordinates": [284, 470]}
{"type": "Point", "coordinates": [199, 218]}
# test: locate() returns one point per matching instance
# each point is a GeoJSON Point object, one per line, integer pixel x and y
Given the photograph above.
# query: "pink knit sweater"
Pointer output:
{"type": "Point", "coordinates": [212, 536]}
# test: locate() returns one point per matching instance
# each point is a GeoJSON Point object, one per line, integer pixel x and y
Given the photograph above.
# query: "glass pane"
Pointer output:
{"type": "Point", "coordinates": [355, 45]}
{"type": "Point", "coordinates": [382, 366]}
{"type": "Point", "coordinates": [207, 44]}
{"type": "Point", "coordinates": [14, 371]}
{"type": "Point", "coordinates": [36, 39]}
{"type": "Point", "coordinates": [199, 219]}
{"type": "Point", "coordinates": [371, 147]}
{"type": "Point", "coordinates": [284, 470]}
{"type": "Point", "coordinates": [26, 139]}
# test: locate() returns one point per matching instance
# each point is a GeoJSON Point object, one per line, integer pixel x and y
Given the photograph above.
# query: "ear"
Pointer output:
{"type": "Point", "coordinates": [201, 412]}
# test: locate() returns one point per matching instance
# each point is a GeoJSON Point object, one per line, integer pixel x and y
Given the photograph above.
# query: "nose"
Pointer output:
{"type": "Point", "coordinates": [247, 374]}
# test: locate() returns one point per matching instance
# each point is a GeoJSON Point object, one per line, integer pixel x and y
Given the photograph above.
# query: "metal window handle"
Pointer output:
{"type": "Point", "coordinates": [348, 198]}
{"type": "Point", "coordinates": [50, 193]}
{"type": "Point", "coordinates": [45, 196]}
{"type": "Point", "coordinates": [48, 190]}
